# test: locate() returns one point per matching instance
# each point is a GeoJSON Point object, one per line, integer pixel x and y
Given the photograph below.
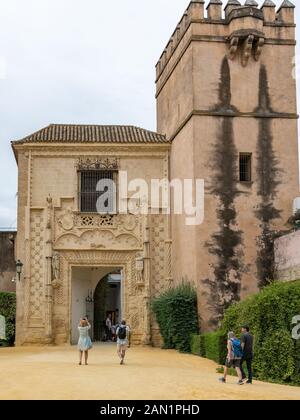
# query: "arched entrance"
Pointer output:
{"type": "Point", "coordinates": [96, 291]}
{"type": "Point", "coordinates": [69, 298]}
{"type": "Point", "coordinates": [107, 300]}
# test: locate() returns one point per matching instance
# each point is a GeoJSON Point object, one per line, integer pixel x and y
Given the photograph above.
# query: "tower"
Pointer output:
{"type": "Point", "coordinates": [226, 98]}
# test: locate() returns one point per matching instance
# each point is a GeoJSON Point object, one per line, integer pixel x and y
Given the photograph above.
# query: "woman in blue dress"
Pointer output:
{"type": "Point", "coordinates": [84, 342]}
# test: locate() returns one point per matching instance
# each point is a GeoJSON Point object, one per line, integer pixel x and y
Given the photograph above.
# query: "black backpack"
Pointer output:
{"type": "Point", "coordinates": [122, 333]}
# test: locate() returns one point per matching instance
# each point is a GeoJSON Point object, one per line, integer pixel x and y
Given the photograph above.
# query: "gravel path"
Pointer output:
{"type": "Point", "coordinates": [54, 373]}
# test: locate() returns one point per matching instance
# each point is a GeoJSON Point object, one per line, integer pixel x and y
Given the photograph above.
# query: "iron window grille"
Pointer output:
{"type": "Point", "coordinates": [245, 167]}
{"type": "Point", "coordinates": [88, 194]}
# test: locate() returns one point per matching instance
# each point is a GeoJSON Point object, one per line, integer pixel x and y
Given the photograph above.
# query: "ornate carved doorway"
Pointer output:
{"type": "Point", "coordinates": [92, 296]}
{"type": "Point", "coordinates": [69, 300]}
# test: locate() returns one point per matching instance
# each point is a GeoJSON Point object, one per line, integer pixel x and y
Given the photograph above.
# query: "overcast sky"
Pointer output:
{"type": "Point", "coordinates": [74, 61]}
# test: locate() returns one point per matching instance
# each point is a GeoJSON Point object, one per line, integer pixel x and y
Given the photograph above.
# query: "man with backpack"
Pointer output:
{"type": "Point", "coordinates": [247, 346]}
{"type": "Point", "coordinates": [122, 340]}
{"type": "Point", "coordinates": [234, 357]}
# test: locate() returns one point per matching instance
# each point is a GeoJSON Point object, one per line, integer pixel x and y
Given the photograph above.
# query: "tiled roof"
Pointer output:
{"type": "Point", "coordinates": [62, 133]}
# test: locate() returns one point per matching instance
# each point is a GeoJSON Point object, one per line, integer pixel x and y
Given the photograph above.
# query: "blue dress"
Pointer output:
{"type": "Point", "coordinates": [84, 342]}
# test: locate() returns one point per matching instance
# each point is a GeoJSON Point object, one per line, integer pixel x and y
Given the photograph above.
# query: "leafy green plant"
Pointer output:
{"type": "Point", "coordinates": [177, 316]}
{"type": "Point", "coordinates": [215, 346]}
{"type": "Point", "coordinates": [210, 345]}
{"type": "Point", "coordinates": [8, 310]}
{"type": "Point", "coordinates": [231, 371]}
{"type": "Point", "coordinates": [295, 220]}
{"type": "Point", "coordinates": [196, 344]}
{"type": "Point", "coordinates": [269, 315]}
{"type": "Point", "coordinates": [276, 357]}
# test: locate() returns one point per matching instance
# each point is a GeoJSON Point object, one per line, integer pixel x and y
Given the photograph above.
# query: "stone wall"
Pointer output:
{"type": "Point", "coordinates": [287, 257]}
{"type": "Point", "coordinates": [7, 261]}
{"type": "Point", "coordinates": [225, 87]}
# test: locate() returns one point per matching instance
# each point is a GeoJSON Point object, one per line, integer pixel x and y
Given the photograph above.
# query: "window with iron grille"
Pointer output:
{"type": "Point", "coordinates": [97, 193]}
{"type": "Point", "coordinates": [245, 167]}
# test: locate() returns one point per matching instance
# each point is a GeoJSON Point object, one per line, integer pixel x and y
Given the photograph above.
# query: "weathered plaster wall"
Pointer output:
{"type": "Point", "coordinates": [287, 257]}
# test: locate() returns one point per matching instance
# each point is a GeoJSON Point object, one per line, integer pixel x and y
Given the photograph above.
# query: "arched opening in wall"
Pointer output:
{"type": "Point", "coordinates": [107, 305]}
{"type": "Point", "coordinates": [96, 293]}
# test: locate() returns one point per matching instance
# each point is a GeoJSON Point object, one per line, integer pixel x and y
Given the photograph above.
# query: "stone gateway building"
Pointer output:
{"type": "Point", "coordinates": [226, 114]}
{"type": "Point", "coordinates": [68, 248]}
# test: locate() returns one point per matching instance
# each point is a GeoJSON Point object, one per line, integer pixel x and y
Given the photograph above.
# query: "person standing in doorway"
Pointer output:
{"type": "Point", "coordinates": [84, 342]}
{"type": "Point", "coordinates": [108, 324]}
{"type": "Point", "coordinates": [247, 346]}
{"type": "Point", "coordinates": [122, 332]}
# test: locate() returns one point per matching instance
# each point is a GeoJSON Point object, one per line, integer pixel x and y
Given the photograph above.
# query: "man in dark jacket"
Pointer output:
{"type": "Point", "coordinates": [247, 346]}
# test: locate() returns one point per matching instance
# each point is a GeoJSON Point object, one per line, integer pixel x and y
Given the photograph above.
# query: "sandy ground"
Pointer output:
{"type": "Point", "coordinates": [53, 373]}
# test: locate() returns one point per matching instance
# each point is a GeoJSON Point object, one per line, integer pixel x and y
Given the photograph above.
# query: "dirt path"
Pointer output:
{"type": "Point", "coordinates": [53, 373]}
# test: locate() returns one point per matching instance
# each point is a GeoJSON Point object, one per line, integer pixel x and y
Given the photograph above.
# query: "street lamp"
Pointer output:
{"type": "Point", "coordinates": [19, 267]}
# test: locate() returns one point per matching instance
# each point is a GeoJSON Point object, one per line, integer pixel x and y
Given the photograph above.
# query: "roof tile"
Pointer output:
{"type": "Point", "coordinates": [64, 133]}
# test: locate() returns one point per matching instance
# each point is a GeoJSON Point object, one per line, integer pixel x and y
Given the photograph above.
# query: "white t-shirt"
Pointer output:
{"type": "Point", "coordinates": [125, 340]}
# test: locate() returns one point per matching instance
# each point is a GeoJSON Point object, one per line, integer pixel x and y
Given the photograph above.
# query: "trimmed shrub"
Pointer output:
{"type": "Point", "coordinates": [202, 346]}
{"type": "Point", "coordinates": [295, 378]}
{"type": "Point", "coordinates": [215, 346]}
{"type": "Point", "coordinates": [210, 345]}
{"type": "Point", "coordinates": [177, 316]}
{"type": "Point", "coordinates": [269, 315]}
{"type": "Point", "coordinates": [8, 310]}
{"type": "Point", "coordinates": [231, 371]}
{"type": "Point", "coordinates": [196, 344]}
{"type": "Point", "coordinates": [275, 360]}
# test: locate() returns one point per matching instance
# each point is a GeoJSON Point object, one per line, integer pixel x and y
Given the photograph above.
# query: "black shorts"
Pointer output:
{"type": "Point", "coordinates": [235, 363]}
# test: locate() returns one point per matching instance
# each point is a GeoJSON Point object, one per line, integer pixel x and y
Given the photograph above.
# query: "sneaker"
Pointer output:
{"type": "Point", "coordinates": [122, 362]}
{"type": "Point", "coordinates": [248, 382]}
{"type": "Point", "coordinates": [241, 382]}
{"type": "Point", "coordinates": [223, 380]}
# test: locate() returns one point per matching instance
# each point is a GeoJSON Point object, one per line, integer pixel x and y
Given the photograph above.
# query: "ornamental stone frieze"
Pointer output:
{"type": "Point", "coordinates": [97, 164]}
{"type": "Point", "coordinates": [95, 231]}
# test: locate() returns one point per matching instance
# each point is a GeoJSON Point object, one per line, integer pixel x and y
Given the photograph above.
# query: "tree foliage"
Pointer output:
{"type": "Point", "coordinates": [177, 316]}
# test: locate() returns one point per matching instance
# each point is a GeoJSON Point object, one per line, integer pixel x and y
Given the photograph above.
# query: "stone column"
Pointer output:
{"type": "Point", "coordinates": [48, 275]}
{"type": "Point", "coordinates": [147, 282]}
{"type": "Point", "coordinates": [168, 261]}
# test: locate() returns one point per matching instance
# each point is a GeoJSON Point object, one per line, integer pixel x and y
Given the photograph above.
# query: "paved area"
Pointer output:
{"type": "Point", "coordinates": [54, 373]}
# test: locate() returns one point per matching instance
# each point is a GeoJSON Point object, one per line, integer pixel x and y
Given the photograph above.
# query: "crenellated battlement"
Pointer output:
{"type": "Point", "coordinates": [220, 21]}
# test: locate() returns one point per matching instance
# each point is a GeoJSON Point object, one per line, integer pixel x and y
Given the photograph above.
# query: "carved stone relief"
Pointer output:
{"type": "Point", "coordinates": [96, 231]}
{"type": "Point", "coordinates": [101, 164]}
{"type": "Point", "coordinates": [133, 297]}
{"type": "Point", "coordinates": [36, 291]}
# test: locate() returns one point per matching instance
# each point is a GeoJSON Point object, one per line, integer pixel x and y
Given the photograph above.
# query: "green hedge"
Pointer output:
{"type": "Point", "coordinates": [177, 316]}
{"type": "Point", "coordinates": [196, 344]}
{"type": "Point", "coordinates": [215, 345]}
{"type": "Point", "coordinates": [210, 345]}
{"type": "Point", "coordinates": [269, 315]}
{"type": "Point", "coordinates": [8, 310]}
